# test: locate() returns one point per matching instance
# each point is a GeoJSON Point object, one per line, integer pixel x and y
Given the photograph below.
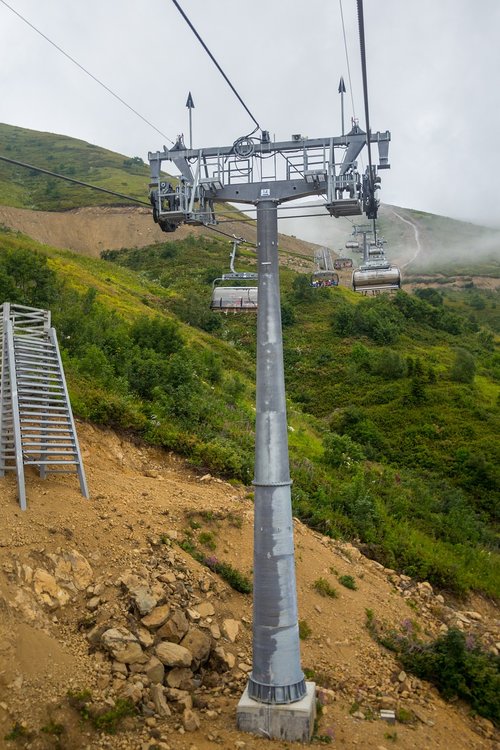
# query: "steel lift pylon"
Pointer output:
{"type": "Point", "coordinates": [36, 422]}
{"type": "Point", "coordinates": [277, 702]}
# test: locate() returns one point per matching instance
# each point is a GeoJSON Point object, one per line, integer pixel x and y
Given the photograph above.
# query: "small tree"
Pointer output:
{"type": "Point", "coordinates": [302, 290]}
{"type": "Point", "coordinates": [464, 367]}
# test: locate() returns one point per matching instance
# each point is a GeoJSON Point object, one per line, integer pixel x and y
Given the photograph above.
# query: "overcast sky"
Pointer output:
{"type": "Point", "coordinates": [433, 68]}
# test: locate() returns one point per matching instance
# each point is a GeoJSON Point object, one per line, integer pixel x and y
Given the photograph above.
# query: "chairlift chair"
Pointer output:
{"type": "Point", "coordinates": [376, 276]}
{"type": "Point", "coordinates": [339, 263]}
{"type": "Point", "coordinates": [236, 296]}
{"type": "Point", "coordinates": [324, 278]}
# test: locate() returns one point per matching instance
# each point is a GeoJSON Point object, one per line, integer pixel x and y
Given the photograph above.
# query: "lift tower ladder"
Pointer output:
{"type": "Point", "coordinates": [36, 422]}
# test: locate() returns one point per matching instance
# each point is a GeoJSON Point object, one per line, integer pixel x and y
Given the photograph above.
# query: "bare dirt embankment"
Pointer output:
{"type": "Point", "coordinates": [89, 231]}
{"type": "Point", "coordinates": [73, 570]}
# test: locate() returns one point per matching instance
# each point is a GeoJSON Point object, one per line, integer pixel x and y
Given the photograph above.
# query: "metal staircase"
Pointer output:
{"type": "Point", "coordinates": [36, 422]}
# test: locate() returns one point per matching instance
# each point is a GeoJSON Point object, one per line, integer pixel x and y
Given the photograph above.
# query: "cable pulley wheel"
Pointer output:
{"type": "Point", "coordinates": [244, 147]}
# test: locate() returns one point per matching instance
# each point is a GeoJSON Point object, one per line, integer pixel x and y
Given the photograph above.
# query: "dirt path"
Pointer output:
{"type": "Point", "coordinates": [417, 238]}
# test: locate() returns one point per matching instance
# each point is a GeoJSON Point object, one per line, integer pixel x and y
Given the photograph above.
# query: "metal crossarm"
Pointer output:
{"type": "Point", "coordinates": [36, 421]}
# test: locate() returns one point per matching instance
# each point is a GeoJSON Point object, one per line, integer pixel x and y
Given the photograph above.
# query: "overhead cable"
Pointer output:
{"type": "Point", "coordinates": [197, 35]}
{"type": "Point", "coordinates": [231, 236]}
{"type": "Point", "coordinates": [72, 179]}
{"type": "Point", "coordinates": [87, 72]}
{"type": "Point", "coordinates": [361, 26]}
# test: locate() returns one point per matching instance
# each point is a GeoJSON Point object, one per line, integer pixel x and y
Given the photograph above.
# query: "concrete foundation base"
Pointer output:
{"type": "Point", "coordinates": [290, 721]}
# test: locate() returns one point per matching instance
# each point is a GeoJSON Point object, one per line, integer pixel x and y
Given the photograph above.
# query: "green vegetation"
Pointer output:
{"type": "Point", "coordinates": [18, 732]}
{"type": "Point", "coordinates": [53, 728]}
{"type": "Point", "coordinates": [207, 539]}
{"type": "Point", "coordinates": [454, 663]}
{"type": "Point", "coordinates": [348, 582]}
{"type": "Point", "coordinates": [392, 401]}
{"type": "Point", "coordinates": [386, 448]}
{"type": "Point", "coordinates": [237, 580]}
{"type": "Point", "coordinates": [103, 718]}
{"type": "Point", "coordinates": [305, 630]}
{"type": "Point", "coordinates": [108, 721]}
{"type": "Point", "coordinates": [324, 588]}
{"type": "Point", "coordinates": [26, 188]}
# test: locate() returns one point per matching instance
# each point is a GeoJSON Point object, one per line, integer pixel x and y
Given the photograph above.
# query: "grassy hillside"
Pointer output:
{"type": "Point", "coordinates": [25, 188]}
{"type": "Point", "coordinates": [393, 402]}
{"type": "Point", "coordinates": [449, 247]}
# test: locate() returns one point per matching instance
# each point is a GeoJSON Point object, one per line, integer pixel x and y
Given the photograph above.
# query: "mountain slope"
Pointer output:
{"type": "Point", "coordinates": [421, 243]}
{"type": "Point", "coordinates": [63, 580]}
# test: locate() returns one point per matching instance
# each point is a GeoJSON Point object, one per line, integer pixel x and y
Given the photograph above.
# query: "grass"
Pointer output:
{"type": "Point", "coordinates": [237, 580]}
{"type": "Point", "coordinates": [348, 582]}
{"type": "Point", "coordinates": [18, 732]}
{"type": "Point", "coordinates": [207, 539]}
{"type": "Point", "coordinates": [107, 720]}
{"type": "Point", "coordinates": [324, 588]}
{"type": "Point", "coordinates": [53, 728]}
{"type": "Point", "coordinates": [305, 630]}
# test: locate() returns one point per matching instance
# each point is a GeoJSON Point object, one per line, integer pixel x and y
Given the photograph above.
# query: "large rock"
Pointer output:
{"type": "Point", "coordinates": [73, 571]}
{"type": "Point", "coordinates": [47, 589]}
{"type": "Point", "coordinates": [131, 691]}
{"type": "Point", "coordinates": [158, 698]}
{"type": "Point", "coordinates": [190, 720]}
{"type": "Point", "coordinates": [173, 655]}
{"type": "Point", "coordinates": [140, 593]}
{"type": "Point", "coordinates": [223, 660]}
{"type": "Point", "coordinates": [180, 678]}
{"type": "Point", "coordinates": [157, 617]}
{"type": "Point", "coordinates": [231, 628]}
{"type": "Point", "coordinates": [205, 609]}
{"type": "Point", "coordinates": [175, 628]}
{"type": "Point", "coordinates": [155, 671]}
{"type": "Point", "coordinates": [123, 646]}
{"type": "Point", "coordinates": [199, 644]}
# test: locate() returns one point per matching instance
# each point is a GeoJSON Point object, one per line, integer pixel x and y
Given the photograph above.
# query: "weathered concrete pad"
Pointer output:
{"type": "Point", "coordinates": [290, 721]}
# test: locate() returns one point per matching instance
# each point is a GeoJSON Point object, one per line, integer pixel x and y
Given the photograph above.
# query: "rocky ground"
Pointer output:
{"type": "Point", "coordinates": [106, 623]}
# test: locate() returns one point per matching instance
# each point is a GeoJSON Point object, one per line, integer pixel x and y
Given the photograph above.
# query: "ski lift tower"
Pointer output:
{"type": "Point", "coordinates": [277, 702]}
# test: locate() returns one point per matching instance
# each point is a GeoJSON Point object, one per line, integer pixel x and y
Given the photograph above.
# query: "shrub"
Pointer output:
{"type": "Point", "coordinates": [302, 290]}
{"type": "Point", "coordinates": [323, 588]}
{"type": "Point", "coordinates": [458, 669]}
{"type": "Point", "coordinates": [53, 728]}
{"type": "Point", "coordinates": [238, 581]}
{"type": "Point", "coordinates": [348, 582]}
{"type": "Point", "coordinates": [341, 451]}
{"type": "Point", "coordinates": [207, 539]}
{"type": "Point", "coordinates": [452, 662]}
{"type": "Point", "coordinates": [109, 720]}
{"type": "Point", "coordinates": [304, 630]}
{"type": "Point", "coordinates": [389, 365]}
{"type": "Point", "coordinates": [463, 369]}
{"type": "Point", "coordinates": [18, 732]}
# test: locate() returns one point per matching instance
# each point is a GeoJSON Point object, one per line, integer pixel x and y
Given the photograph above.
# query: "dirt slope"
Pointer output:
{"type": "Point", "coordinates": [143, 501]}
{"type": "Point", "coordinates": [90, 230]}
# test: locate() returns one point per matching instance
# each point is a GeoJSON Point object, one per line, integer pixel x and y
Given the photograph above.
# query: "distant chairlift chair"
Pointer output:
{"type": "Point", "coordinates": [340, 263]}
{"type": "Point", "coordinates": [235, 297]}
{"type": "Point", "coordinates": [324, 275]}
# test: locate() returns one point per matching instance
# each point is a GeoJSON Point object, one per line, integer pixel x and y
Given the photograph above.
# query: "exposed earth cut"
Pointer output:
{"type": "Point", "coordinates": [106, 623]}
